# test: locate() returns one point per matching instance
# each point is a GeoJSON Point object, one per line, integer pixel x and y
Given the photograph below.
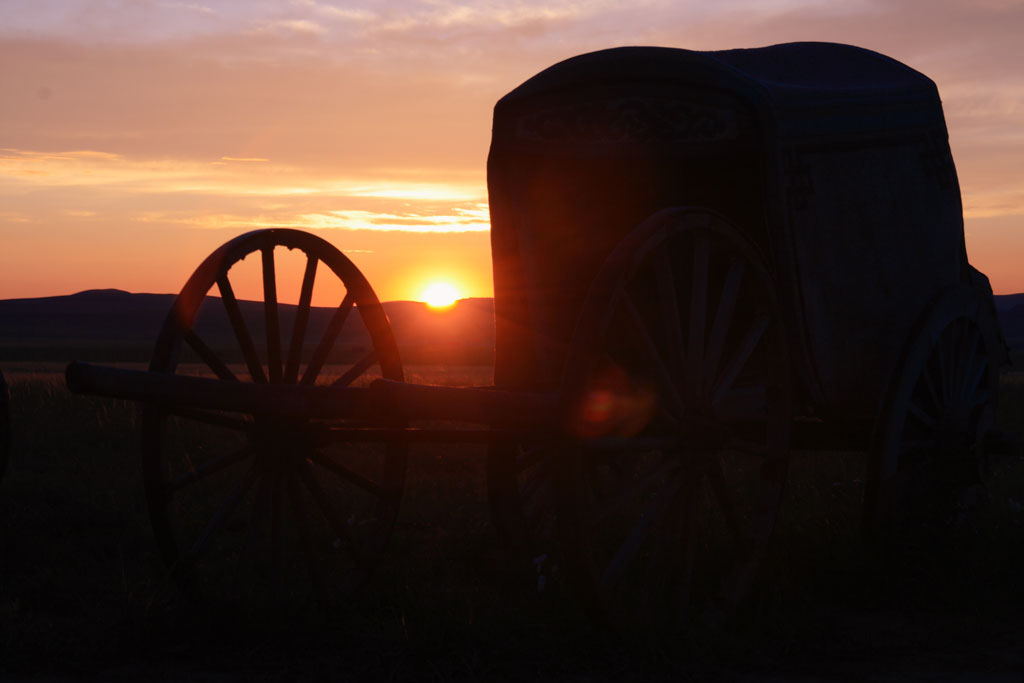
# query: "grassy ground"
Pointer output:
{"type": "Point", "coordinates": [83, 594]}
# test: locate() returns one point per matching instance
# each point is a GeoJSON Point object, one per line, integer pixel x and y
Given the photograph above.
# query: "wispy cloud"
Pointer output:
{"type": "Point", "coordinates": [189, 6]}
{"type": "Point", "coordinates": [289, 26]}
{"type": "Point", "coordinates": [330, 11]}
{"type": "Point", "coordinates": [461, 220]}
{"type": "Point", "coordinates": [15, 217]}
{"type": "Point", "coordinates": [265, 195]}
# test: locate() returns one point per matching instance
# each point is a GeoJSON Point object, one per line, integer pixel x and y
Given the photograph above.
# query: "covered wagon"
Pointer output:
{"type": "Point", "coordinates": [770, 243]}
{"type": "Point", "coordinates": [702, 260]}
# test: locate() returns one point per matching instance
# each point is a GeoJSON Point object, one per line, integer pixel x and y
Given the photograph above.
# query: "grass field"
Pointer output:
{"type": "Point", "coordinates": [83, 593]}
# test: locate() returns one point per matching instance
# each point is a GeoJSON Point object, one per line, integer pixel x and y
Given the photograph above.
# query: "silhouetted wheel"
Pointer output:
{"type": "Point", "coordinates": [5, 425]}
{"type": "Point", "coordinates": [256, 512]}
{"type": "Point", "coordinates": [927, 462]}
{"type": "Point", "coordinates": [680, 391]}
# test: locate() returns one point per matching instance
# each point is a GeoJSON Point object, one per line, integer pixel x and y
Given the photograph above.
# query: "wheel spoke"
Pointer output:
{"type": "Point", "coordinates": [661, 562]}
{"type": "Point", "coordinates": [628, 551]}
{"type": "Point", "coordinates": [209, 468]}
{"type": "Point", "coordinates": [219, 517]}
{"type": "Point", "coordinates": [356, 371]}
{"type": "Point", "coordinates": [723, 319]}
{"type": "Point", "coordinates": [339, 527]}
{"type": "Point", "coordinates": [659, 568]}
{"type": "Point", "coordinates": [766, 505]}
{"type": "Point", "coordinates": [277, 539]}
{"type": "Point", "coordinates": [241, 331]}
{"type": "Point", "coordinates": [698, 311]}
{"type": "Point", "coordinates": [298, 515]}
{"type": "Point", "coordinates": [639, 328]}
{"type": "Point", "coordinates": [959, 330]}
{"type": "Point", "coordinates": [965, 375]}
{"type": "Point", "coordinates": [535, 493]}
{"type": "Point", "coordinates": [739, 360]}
{"type": "Point", "coordinates": [933, 392]}
{"type": "Point", "coordinates": [922, 416]}
{"type": "Point", "coordinates": [254, 554]}
{"type": "Point", "coordinates": [316, 363]}
{"type": "Point", "coordinates": [981, 398]}
{"type": "Point", "coordinates": [291, 371]}
{"type": "Point", "coordinates": [670, 418]}
{"type": "Point", "coordinates": [348, 475]}
{"type": "Point", "coordinates": [947, 365]}
{"type": "Point", "coordinates": [667, 297]}
{"type": "Point", "coordinates": [973, 381]}
{"type": "Point", "coordinates": [725, 501]}
{"type": "Point", "coordinates": [209, 357]}
{"type": "Point", "coordinates": [689, 545]}
{"type": "Point", "coordinates": [743, 404]}
{"type": "Point", "coordinates": [271, 314]}
{"type": "Point", "coordinates": [532, 457]}
{"type": "Point", "coordinates": [634, 489]}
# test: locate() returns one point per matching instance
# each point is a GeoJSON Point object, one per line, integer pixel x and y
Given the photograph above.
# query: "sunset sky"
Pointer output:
{"type": "Point", "coordinates": [136, 136]}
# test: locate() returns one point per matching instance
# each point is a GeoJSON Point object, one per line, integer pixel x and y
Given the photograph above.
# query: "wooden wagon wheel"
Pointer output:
{"type": "Point", "coordinates": [680, 385]}
{"type": "Point", "coordinates": [5, 425]}
{"type": "Point", "coordinates": [927, 457]}
{"type": "Point", "coordinates": [254, 511]}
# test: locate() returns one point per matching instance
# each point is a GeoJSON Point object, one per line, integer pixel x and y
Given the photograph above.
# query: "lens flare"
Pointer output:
{"type": "Point", "coordinates": [613, 404]}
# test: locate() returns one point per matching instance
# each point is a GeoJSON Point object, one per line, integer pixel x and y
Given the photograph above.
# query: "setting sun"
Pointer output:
{"type": "Point", "coordinates": [440, 295]}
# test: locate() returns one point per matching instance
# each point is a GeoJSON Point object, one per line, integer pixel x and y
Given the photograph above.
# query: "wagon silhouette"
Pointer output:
{"type": "Point", "coordinates": [702, 260]}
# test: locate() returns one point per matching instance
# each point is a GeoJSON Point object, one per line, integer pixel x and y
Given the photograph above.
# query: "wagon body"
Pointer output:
{"type": "Point", "coordinates": [832, 160]}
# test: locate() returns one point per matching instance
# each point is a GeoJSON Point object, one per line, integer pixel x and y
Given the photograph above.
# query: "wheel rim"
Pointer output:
{"type": "Point", "coordinates": [262, 513]}
{"type": "Point", "coordinates": [670, 523]}
{"type": "Point", "coordinates": [927, 460]}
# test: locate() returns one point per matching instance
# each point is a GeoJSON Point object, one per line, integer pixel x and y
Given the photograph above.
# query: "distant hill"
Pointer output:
{"type": "Point", "coordinates": [1008, 302]}
{"type": "Point", "coordinates": [1010, 308]}
{"type": "Point", "coordinates": [113, 325]}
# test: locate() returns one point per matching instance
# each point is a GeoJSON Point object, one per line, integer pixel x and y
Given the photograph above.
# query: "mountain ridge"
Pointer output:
{"type": "Point", "coordinates": [113, 324]}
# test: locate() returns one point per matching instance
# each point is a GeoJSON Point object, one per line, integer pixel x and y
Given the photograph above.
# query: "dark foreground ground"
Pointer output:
{"type": "Point", "coordinates": [82, 593]}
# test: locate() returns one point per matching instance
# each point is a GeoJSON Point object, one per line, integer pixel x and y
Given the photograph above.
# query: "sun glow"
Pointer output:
{"type": "Point", "coordinates": [440, 295]}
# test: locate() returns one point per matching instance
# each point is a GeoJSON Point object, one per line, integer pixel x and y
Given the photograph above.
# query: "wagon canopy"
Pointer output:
{"type": "Point", "coordinates": [807, 88]}
{"type": "Point", "coordinates": [832, 159]}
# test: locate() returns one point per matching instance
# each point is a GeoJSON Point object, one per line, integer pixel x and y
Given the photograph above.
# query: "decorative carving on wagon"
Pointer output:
{"type": "Point", "coordinates": [638, 120]}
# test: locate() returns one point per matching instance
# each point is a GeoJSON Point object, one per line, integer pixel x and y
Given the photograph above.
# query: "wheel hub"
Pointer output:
{"type": "Point", "coordinates": [282, 443]}
{"type": "Point", "coordinates": [704, 434]}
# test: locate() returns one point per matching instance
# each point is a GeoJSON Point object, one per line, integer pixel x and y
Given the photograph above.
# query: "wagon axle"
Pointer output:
{"type": "Point", "coordinates": [297, 417]}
